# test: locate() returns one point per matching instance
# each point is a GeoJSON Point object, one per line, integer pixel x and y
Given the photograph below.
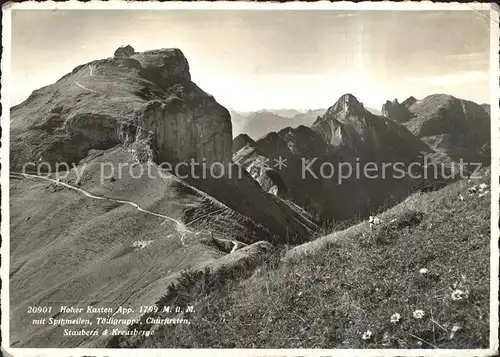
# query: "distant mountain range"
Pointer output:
{"type": "Point", "coordinates": [257, 124]}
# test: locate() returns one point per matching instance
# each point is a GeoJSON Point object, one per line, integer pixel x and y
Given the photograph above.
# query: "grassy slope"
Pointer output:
{"type": "Point", "coordinates": [326, 294]}
{"type": "Point", "coordinates": [70, 249]}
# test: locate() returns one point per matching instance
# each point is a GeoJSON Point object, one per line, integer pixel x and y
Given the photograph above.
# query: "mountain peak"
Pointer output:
{"type": "Point", "coordinates": [241, 141]}
{"type": "Point", "coordinates": [347, 103]}
{"type": "Point", "coordinates": [408, 102]}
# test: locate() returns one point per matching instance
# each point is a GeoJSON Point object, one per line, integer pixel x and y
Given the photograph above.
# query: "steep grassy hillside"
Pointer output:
{"type": "Point", "coordinates": [430, 253]}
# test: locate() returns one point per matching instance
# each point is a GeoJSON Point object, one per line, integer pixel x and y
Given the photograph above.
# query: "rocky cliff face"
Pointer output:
{"type": "Point", "coordinates": [398, 111]}
{"type": "Point", "coordinates": [408, 102]}
{"type": "Point", "coordinates": [124, 51]}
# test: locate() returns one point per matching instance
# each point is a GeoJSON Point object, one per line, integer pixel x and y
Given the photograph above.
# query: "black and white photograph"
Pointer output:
{"type": "Point", "coordinates": [250, 179]}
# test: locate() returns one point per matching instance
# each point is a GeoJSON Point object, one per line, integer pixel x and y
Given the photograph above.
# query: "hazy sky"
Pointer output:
{"type": "Point", "coordinates": [254, 59]}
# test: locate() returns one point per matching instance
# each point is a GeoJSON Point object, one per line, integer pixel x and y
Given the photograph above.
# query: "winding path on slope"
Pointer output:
{"type": "Point", "coordinates": [179, 225]}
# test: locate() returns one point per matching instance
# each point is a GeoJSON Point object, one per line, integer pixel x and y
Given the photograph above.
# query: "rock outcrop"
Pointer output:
{"type": "Point", "coordinates": [457, 127]}
{"type": "Point", "coordinates": [258, 124]}
{"type": "Point", "coordinates": [289, 146]}
{"type": "Point", "coordinates": [487, 108]}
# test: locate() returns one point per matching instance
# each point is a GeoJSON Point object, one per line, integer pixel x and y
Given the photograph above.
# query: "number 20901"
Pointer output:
{"type": "Point", "coordinates": [39, 309]}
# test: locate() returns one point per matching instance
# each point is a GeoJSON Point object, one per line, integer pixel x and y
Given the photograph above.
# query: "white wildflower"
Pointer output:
{"type": "Point", "coordinates": [418, 314]}
{"type": "Point", "coordinates": [395, 318]}
{"type": "Point", "coordinates": [374, 221]}
{"type": "Point", "coordinates": [483, 186]}
{"type": "Point", "coordinates": [423, 271]}
{"type": "Point", "coordinates": [367, 335]}
{"type": "Point", "coordinates": [458, 294]}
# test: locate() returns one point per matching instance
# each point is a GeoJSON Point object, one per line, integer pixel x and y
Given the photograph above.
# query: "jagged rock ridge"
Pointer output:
{"type": "Point", "coordinates": [93, 239]}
